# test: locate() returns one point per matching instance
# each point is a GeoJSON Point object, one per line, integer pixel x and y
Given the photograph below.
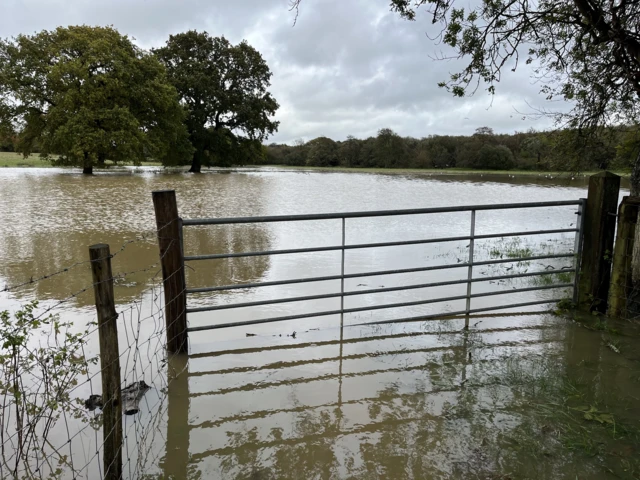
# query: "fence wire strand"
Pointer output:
{"type": "Point", "coordinates": [48, 441]}
{"type": "Point", "coordinates": [73, 438]}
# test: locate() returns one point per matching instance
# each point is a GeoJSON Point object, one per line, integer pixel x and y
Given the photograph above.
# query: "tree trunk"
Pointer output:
{"type": "Point", "coordinates": [87, 167]}
{"type": "Point", "coordinates": [196, 165]}
{"type": "Point", "coordinates": [633, 304]}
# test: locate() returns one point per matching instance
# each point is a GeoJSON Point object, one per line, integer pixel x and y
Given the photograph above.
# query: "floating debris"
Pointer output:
{"type": "Point", "coordinates": [131, 396]}
{"type": "Point", "coordinates": [93, 402]}
{"type": "Point", "coordinates": [613, 348]}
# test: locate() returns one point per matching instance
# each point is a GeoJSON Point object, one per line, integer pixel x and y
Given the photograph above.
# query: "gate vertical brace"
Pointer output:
{"type": "Point", "coordinates": [470, 273]}
{"type": "Point", "coordinates": [577, 247]}
{"type": "Point", "coordinates": [184, 274]}
{"type": "Point", "coordinates": [342, 272]}
{"type": "Point", "coordinates": [341, 313]}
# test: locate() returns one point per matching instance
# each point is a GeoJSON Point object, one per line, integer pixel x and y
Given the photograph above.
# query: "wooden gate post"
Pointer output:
{"type": "Point", "coordinates": [598, 234]}
{"type": "Point", "coordinates": [169, 226]}
{"type": "Point", "coordinates": [622, 299]}
{"type": "Point", "coordinates": [109, 360]}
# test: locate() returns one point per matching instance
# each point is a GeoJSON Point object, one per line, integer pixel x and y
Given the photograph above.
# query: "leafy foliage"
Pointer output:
{"type": "Point", "coordinates": [89, 94]}
{"type": "Point", "coordinates": [41, 360]}
{"type": "Point", "coordinates": [494, 158]}
{"type": "Point", "coordinates": [561, 150]}
{"type": "Point", "coordinates": [582, 50]}
{"type": "Point", "coordinates": [323, 152]}
{"type": "Point", "coordinates": [390, 149]}
{"type": "Point", "coordinates": [224, 88]}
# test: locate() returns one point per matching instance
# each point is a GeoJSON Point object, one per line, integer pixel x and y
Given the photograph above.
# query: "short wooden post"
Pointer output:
{"type": "Point", "coordinates": [622, 295]}
{"type": "Point", "coordinates": [597, 249]}
{"type": "Point", "coordinates": [109, 360]}
{"type": "Point", "coordinates": [169, 227]}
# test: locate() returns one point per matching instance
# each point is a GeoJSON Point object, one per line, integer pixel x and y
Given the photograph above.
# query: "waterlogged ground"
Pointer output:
{"type": "Point", "coordinates": [517, 396]}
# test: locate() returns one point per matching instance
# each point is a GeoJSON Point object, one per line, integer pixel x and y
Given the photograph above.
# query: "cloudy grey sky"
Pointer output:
{"type": "Point", "coordinates": [348, 67]}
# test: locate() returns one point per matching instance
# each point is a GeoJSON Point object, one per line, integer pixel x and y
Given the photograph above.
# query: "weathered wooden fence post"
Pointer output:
{"type": "Point", "coordinates": [622, 297]}
{"type": "Point", "coordinates": [169, 226]}
{"type": "Point", "coordinates": [597, 249]}
{"type": "Point", "coordinates": [109, 360]}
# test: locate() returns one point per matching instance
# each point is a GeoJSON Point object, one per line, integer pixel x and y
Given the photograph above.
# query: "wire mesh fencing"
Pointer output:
{"type": "Point", "coordinates": [51, 385]}
{"type": "Point", "coordinates": [52, 363]}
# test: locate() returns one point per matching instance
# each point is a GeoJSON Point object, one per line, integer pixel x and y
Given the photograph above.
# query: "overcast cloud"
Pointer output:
{"type": "Point", "coordinates": [348, 67]}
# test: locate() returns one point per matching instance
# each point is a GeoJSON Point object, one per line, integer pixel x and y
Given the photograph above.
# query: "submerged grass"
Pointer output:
{"type": "Point", "coordinates": [564, 421]}
{"type": "Point", "coordinates": [510, 248]}
{"type": "Point", "coordinates": [552, 278]}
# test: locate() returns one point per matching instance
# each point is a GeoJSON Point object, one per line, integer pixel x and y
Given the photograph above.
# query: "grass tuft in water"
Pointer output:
{"type": "Point", "coordinates": [511, 248]}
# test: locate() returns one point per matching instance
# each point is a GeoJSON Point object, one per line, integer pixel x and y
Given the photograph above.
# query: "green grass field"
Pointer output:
{"type": "Point", "coordinates": [445, 171]}
{"type": "Point", "coordinates": [10, 159]}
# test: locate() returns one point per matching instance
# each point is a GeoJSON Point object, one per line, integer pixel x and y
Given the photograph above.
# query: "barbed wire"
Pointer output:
{"type": "Point", "coordinates": [143, 335]}
{"type": "Point", "coordinates": [151, 234]}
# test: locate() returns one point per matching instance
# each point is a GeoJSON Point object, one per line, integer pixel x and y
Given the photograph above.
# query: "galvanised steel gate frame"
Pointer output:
{"type": "Point", "coordinates": [470, 264]}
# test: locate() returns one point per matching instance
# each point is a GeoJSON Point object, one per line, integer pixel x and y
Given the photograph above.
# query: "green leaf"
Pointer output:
{"type": "Point", "coordinates": [605, 418]}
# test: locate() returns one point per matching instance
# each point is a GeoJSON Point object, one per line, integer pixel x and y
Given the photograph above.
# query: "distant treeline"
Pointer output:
{"type": "Point", "coordinates": [563, 150]}
{"type": "Point", "coordinates": [557, 150]}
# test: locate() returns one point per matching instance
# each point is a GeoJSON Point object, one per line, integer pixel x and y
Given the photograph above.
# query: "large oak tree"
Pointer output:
{"type": "Point", "coordinates": [225, 89]}
{"type": "Point", "coordinates": [81, 95]}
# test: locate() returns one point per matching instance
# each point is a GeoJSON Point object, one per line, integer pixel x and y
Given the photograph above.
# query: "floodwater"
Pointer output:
{"type": "Point", "coordinates": [523, 394]}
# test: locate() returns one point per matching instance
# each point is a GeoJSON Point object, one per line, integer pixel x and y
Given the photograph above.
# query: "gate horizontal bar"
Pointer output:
{"type": "Point", "coordinates": [264, 302]}
{"type": "Point", "coordinates": [374, 274]}
{"type": "Point", "coordinates": [364, 309]}
{"type": "Point", "coordinates": [376, 245]}
{"type": "Point", "coordinates": [379, 213]}
{"type": "Point", "coordinates": [378, 290]}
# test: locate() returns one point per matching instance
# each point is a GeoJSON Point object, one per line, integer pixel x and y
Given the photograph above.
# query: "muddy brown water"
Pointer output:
{"type": "Point", "coordinates": [521, 395]}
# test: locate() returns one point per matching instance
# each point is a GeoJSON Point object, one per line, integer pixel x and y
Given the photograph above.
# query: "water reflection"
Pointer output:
{"type": "Point", "coordinates": [175, 463]}
{"type": "Point", "coordinates": [227, 239]}
{"type": "Point", "coordinates": [431, 402]}
{"type": "Point", "coordinates": [135, 263]}
{"type": "Point", "coordinates": [52, 217]}
{"type": "Point", "coordinates": [391, 402]}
